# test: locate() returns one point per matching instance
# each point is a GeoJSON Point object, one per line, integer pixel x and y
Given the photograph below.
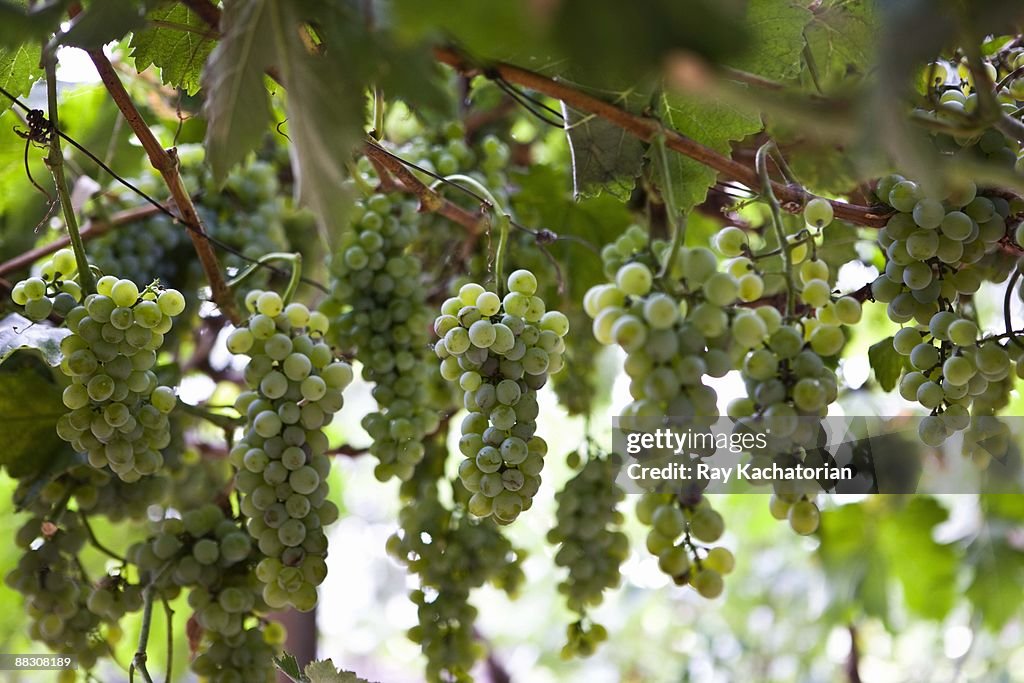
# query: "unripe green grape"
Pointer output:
{"type": "Point", "coordinates": [818, 212]}
{"type": "Point", "coordinates": [804, 517]}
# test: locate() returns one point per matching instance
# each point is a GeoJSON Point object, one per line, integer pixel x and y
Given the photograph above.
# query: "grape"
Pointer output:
{"type": "Point", "coordinates": [284, 478]}
{"type": "Point", "coordinates": [804, 517]}
{"type": "Point", "coordinates": [634, 279]}
{"type": "Point", "coordinates": [503, 402]}
{"type": "Point", "coordinates": [818, 212]}
{"type": "Point", "coordinates": [731, 241]}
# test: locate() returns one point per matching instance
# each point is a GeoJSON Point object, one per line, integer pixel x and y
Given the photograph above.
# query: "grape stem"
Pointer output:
{"type": "Point", "coordinates": [677, 222]}
{"type": "Point", "coordinates": [139, 660]}
{"type": "Point", "coordinates": [769, 196]}
{"type": "Point", "coordinates": [295, 259]}
{"type": "Point", "coordinates": [169, 613]}
{"type": "Point", "coordinates": [503, 221]}
{"type": "Point", "coordinates": [55, 162]}
{"type": "Point", "coordinates": [96, 541]}
{"type": "Point", "coordinates": [1006, 309]}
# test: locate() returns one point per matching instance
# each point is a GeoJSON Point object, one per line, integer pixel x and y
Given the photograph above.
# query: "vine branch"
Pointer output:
{"type": "Point", "coordinates": [166, 163]}
{"type": "Point", "coordinates": [646, 128]}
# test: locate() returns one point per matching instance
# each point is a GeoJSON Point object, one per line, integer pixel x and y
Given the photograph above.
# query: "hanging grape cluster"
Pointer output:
{"type": "Point", "coordinates": [451, 554]}
{"type": "Point", "coordinates": [500, 351]}
{"type": "Point", "coordinates": [591, 544]}
{"type": "Point", "coordinates": [679, 525]}
{"type": "Point", "coordinates": [295, 387]}
{"type": "Point", "coordinates": [933, 247]}
{"type": "Point", "coordinates": [378, 313]}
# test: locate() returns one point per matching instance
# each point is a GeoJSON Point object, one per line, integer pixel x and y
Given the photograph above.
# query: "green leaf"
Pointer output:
{"type": "Point", "coordinates": [22, 26]}
{"type": "Point", "coordinates": [19, 69]}
{"type": "Point", "coordinates": [887, 364]}
{"type": "Point", "coordinates": [178, 52]}
{"type": "Point", "coordinates": [30, 403]}
{"type": "Point", "coordinates": [838, 245]}
{"type": "Point", "coordinates": [325, 672]}
{"type": "Point", "coordinates": [237, 110]}
{"type": "Point", "coordinates": [103, 21]}
{"type": "Point", "coordinates": [289, 666]}
{"type": "Point", "coordinates": [326, 111]}
{"type": "Point", "coordinates": [775, 40]}
{"type": "Point", "coordinates": [711, 122]}
{"type": "Point", "coordinates": [18, 332]}
{"type": "Point", "coordinates": [995, 589]}
{"type": "Point", "coordinates": [927, 570]}
{"type": "Point", "coordinates": [605, 158]}
{"type": "Point", "coordinates": [841, 39]}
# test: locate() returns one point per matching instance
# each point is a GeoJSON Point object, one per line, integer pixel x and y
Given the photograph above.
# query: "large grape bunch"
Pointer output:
{"type": "Point", "coordinates": [680, 524]}
{"type": "Point", "coordinates": [933, 247]}
{"type": "Point", "coordinates": [117, 411]}
{"type": "Point", "coordinates": [213, 557]}
{"type": "Point", "coordinates": [248, 213]}
{"type": "Point", "coordinates": [500, 350]}
{"type": "Point", "coordinates": [378, 313]}
{"type": "Point", "coordinates": [295, 387]}
{"type": "Point", "coordinates": [591, 545]}
{"type": "Point", "coordinates": [451, 554]}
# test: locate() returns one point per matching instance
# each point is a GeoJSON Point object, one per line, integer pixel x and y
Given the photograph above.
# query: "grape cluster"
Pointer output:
{"type": "Point", "coordinates": [677, 524]}
{"type": "Point", "coordinates": [591, 545]}
{"type": "Point", "coordinates": [239, 658]}
{"type": "Point", "coordinates": [671, 341]}
{"type": "Point", "coordinates": [59, 598]}
{"type": "Point", "coordinates": [451, 554]}
{"type": "Point", "coordinates": [94, 492]}
{"type": "Point", "coordinates": [117, 412]}
{"type": "Point", "coordinates": [282, 464]}
{"type": "Point", "coordinates": [54, 290]}
{"type": "Point", "coordinates": [248, 213]}
{"type": "Point", "coordinates": [501, 352]}
{"type": "Point", "coordinates": [378, 313]}
{"type": "Point", "coordinates": [933, 246]}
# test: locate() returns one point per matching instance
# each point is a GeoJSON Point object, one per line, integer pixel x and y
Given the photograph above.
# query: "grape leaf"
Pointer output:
{"type": "Point", "coordinates": [927, 570]}
{"type": "Point", "coordinates": [841, 38]}
{"type": "Point", "coordinates": [30, 403]}
{"type": "Point", "coordinates": [325, 113]}
{"type": "Point", "coordinates": [20, 25]}
{"type": "Point", "coordinates": [101, 22]}
{"type": "Point", "coordinates": [178, 52]}
{"type": "Point", "coordinates": [605, 158]}
{"type": "Point", "coordinates": [19, 69]}
{"type": "Point", "coordinates": [995, 589]}
{"type": "Point", "coordinates": [838, 245]}
{"type": "Point", "coordinates": [325, 672]}
{"type": "Point", "coordinates": [237, 110]}
{"type": "Point", "coordinates": [289, 666]}
{"type": "Point", "coordinates": [18, 332]}
{"type": "Point", "coordinates": [887, 364]}
{"type": "Point", "coordinates": [711, 122]}
{"type": "Point", "coordinates": [857, 576]}
{"type": "Point", "coordinates": [775, 40]}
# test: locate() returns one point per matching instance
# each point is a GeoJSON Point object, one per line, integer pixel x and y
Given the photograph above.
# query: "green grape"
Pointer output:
{"type": "Point", "coordinates": [818, 212]}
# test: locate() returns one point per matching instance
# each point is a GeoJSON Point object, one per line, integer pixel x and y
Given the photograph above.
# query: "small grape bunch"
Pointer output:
{"type": "Point", "coordinates": [52, 291]}
{"type": "Point", "coordinates": [244, 656]}
{"type": "Point", "coordinates": [799, 510]}
{"type": "Point", "coordinates": [281, 461]}
{"type": "Point", "coordinates": [591, 544]}
{"type": "Point", "coordinates": [692, 518]}
{"type": "Point", "coordinates": [500, 351]}
{"type": "Point", "coordinates": [117, 411]}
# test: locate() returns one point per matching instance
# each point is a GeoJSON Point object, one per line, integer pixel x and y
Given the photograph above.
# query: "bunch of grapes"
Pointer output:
{"type": "Point", "coordinates": [59, 598]}
{"type": "Point", "coordinates": [54, 290]}
{"type": "Point", "coordinates": [94, 492]}
{"type": "Point", "coordinates": [451, 554]}
{"type": "Point", "coordinates": [500, 351]}
{"type": "Point", "coordinates": [378, 313]}
{"type": "Point", "coordinates": [933, 246]}
{"type": "Point", "coordinates": [281, 461]}
{"type": "Point", "coordinates": [247, 655]}
{"type": "Point", "coordinates": [117, 412]}
{"type": "Point", "coordinates": [678, 523]}
{"type": "Point", "coordinates": [248, 214]}
{"type": "Point", "coordinates": [672, 339]}
{"type": "Point", "coordinates": [591, 545]}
